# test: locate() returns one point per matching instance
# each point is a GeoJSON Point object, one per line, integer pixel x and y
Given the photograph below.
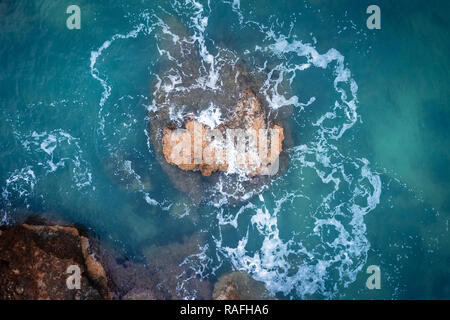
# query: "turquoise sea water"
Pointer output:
{"type": "Point", "coordinates": [368, 177]}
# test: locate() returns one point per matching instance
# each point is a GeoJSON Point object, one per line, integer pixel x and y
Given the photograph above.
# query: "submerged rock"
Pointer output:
{"type": "Point", "coordinates": [183, 207]}
{"type": "Point", "coordinates": [34, 261]}
{"type": "Point", "coordinates": [239, 286]}
{"type": "Point", "coordinates": [175, 277]}
{"type": "Point", "coordinates": [140, 294]}
{"type": "Point", "coordinates": [199, 147]}
{"type": "Point", "coordinates": [128, 278]}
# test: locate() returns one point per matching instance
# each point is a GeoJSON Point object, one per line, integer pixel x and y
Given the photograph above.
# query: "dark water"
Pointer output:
{"type": "Point", "coordinates": [368, 178]}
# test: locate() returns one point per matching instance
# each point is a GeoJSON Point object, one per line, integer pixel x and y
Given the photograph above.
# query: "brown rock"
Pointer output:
{"type": "Point", "coordinates": [229, 292]}
{"type": "Point", "coordinates": [94, 268]}
{"type": "Point", "coordinates": [200, 148]}
{"type": "Point", "coordinates": [34, 262]}
{"type": "Point", "coordinates": [239, 286]}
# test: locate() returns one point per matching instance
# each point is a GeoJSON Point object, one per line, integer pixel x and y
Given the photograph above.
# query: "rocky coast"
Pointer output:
{"type": "Point", "coordinates": [37, 263]}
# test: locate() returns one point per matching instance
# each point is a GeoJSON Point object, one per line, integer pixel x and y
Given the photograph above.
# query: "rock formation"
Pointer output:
{"type": "Point", "coordinates": [242, 142]}
{"type": "Point", "coordinates": [188, 93]}
{"type": "Point", "coordinates": [239, 286]}
{"type": "Point", "coordinates": [34, 261]}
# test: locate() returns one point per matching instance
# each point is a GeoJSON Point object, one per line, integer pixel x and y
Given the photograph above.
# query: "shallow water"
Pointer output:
{"type": "Point", "coordinates": [367, 111]}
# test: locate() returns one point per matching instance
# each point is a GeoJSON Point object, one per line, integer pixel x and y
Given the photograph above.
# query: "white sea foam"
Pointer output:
{"type": "Point", "coordinates": [273, 263]}
{"type": "Point", "coordinates": [51, 151]}
{"type": "Point", "coordinates": [143, 27]}
{"type": "Point", "coordinates": [199, 22]}
{"type": "Point", "coordinates": [211, 117]}
{"type": "Point", "coordinates": [197, 265]}
{"type": "Point", "coordinates": [21, 181]}
{"type": "Point", "coordinates": [127, 165]}
{"type": "Point", "coordinates": [97, 53]}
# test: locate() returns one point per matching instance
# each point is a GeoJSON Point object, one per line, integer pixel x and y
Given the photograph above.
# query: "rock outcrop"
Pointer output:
{"type": "Point", "coordinates": [243, 144]}
{"type": "Point", "coordinates": [188, 94]}
{"type": "Point", "coordinates": [34, 264]}
{"type": "Point", "coordinates": [239, 286]}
